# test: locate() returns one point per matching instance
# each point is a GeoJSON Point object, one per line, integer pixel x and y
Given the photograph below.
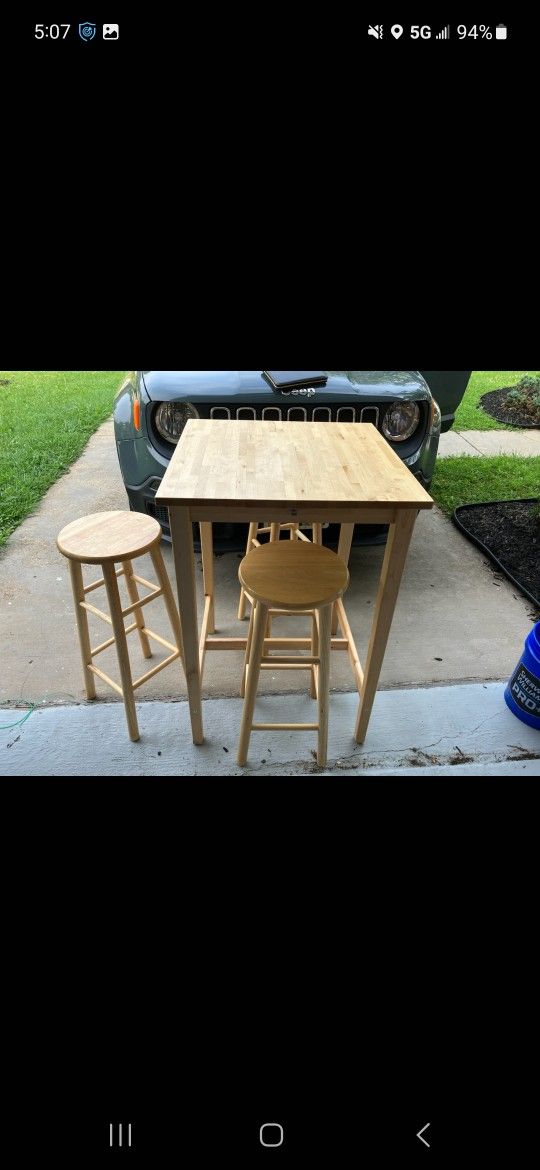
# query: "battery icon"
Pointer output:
{"type": "Point", "coordinates": [500, 32]}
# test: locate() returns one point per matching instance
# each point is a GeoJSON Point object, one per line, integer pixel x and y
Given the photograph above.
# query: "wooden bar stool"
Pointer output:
{"type": "Point", "coordinates": [273, 531]}
{"type": "Point", "coordinates": [104, 539]}
{"type": "Point", "coordinates": [291, 576]}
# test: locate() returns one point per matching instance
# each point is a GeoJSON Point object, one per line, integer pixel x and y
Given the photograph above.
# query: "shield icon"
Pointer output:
{"type": "Point", "coordinates": [87, 31]}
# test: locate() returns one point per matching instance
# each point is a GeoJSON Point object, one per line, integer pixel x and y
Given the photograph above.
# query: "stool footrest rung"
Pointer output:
{"type": "Point", "coordinates": [143, 581]}
{"type": "Point", "coordinates": [158, 638]}
{"type": "Point", "coordinates": [98, 612]}
{"type": "Point", "coordinates": [284, 726]}
{"type": "Point", "coordinates": [142, 601]}
{"type": "Point", "coordinates": [96, 584]}
{"type": "Point", "coordinates": [150, 673]}
{"type": "Point", "coordinates": [125, 612]}
{"type": "Point", "coordinates": [285, 527]}
{"type": "Point", "coordinates": [136, 682]}
{"type": "Point", "coordinates": [290, 612]}
{"type": "Point", "coordinates": [283, 660]}
{"type": "Point", "coordinates": [109, 642]}
{"type": "Point", "coordinates": [270, 664]}
{"type": "Point", "coordinates": [101, 674]}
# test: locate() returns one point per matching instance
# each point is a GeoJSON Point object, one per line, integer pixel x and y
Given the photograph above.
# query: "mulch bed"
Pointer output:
{"type": "Point", "coordinates": [506, 531]}
{"type": "Point", "coordinates": [494, 403]}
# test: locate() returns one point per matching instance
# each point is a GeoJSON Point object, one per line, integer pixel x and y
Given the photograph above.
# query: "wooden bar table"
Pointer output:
{"type": "Point", "coordinates": [306, 472]}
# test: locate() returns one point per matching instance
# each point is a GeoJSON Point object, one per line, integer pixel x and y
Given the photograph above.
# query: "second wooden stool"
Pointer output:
{"type": "Point", "coordinates": [291, 575]}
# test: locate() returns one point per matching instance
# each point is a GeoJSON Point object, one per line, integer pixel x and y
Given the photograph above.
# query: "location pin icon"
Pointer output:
{"type": "Point", "coordinates": [396, 31]}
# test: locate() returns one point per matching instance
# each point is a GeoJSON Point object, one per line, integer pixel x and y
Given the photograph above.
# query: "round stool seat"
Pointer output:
{"type": "Point", "coordinates": [108, 536]}
{"type": "Point", "coordinates": [291, 574]}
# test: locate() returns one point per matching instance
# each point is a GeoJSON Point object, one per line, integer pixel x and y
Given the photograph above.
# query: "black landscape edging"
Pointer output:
{"type": "Point", "coordinates": [485, 549]}
{"type": "Point", "coordinates": [505, 421]}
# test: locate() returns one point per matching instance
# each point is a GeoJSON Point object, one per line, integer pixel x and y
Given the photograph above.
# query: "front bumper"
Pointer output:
{"type": "Point", "coordinates": [233, 537]}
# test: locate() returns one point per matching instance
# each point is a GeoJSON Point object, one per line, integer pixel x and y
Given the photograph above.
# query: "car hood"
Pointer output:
{"type": "Point", "coordinates": [167, 385]}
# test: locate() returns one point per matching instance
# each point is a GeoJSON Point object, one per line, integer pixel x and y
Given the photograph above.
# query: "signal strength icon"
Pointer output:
{"type": "Point", "coordinates": [444, 35]}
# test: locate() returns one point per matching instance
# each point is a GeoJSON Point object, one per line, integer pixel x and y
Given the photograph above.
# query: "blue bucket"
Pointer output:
{"type": "Point", "coordinates": [522, 693]}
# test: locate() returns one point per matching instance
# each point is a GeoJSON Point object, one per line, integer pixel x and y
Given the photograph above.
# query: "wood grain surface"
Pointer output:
{"type": "Point", "coordinates": [293, 575]}
{"type": "Point", "coordinates": [269, 463]}
{"type": "Point", "coordinates": [108, 536]}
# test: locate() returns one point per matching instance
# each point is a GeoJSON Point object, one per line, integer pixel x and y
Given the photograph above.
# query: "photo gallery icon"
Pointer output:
{"type": "Point", "coordinates": [111, 32]}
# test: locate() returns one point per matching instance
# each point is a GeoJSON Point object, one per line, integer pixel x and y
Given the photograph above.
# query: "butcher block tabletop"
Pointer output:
{"type": "Point", "coordinates": [221, 461]}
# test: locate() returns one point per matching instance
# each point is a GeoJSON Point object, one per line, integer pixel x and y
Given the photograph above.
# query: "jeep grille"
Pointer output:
{"type": "Point", "coordinates": [307, 413]}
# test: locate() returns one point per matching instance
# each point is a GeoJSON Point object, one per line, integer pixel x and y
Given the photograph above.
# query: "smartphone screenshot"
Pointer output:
{"type": "Point", "coordinates": [269, 639]}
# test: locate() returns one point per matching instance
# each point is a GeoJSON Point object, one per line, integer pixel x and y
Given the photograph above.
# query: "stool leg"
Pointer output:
{"type": "Point", "coordinates": [325, 633]}
{"type": "Point", "coordinates": [317, 533]}
{"type": "Point", "coordinates": [115, 607]}
{"type": "Point", "coordinates": [168, 595]}
{"type": "Point", "coordinates": [248, 651]}
{"type": "Point", "coordinates": [275, 530]}
{"type": "Point", "coordinates": [314, 654]}
{"type": "Point", "coordinates": [242, 603]}
{"type": "Point", "coordinates": [134, 596]}
{"type": "Point", "coordinates": [77, 585]}
{"type": "Point", "coordinates": [257, 645]}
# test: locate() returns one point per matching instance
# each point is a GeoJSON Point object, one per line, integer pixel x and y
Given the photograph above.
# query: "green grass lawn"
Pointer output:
{"type": "Point", "coordinates": [471, 417]}
{"type": "Point", "coordinates": [46, 419]}
{"type": "Point", "coordinates": [473, 479]}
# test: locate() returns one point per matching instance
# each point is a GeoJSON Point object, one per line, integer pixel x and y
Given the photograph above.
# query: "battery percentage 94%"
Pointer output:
{"type": "Point", "coordinates": [477, 30]}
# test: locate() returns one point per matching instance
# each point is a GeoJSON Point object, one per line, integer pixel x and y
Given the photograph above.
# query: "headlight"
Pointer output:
{"type": "Point", "coordinates": [434, 416]}
{"type": "Point", "coordinates": [400, 420]}
{"type": "Point", "coordinates": [171, 417]}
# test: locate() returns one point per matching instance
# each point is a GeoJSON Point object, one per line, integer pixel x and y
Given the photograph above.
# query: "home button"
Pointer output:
{"type": "Point", "coordinates": [271, 1134]}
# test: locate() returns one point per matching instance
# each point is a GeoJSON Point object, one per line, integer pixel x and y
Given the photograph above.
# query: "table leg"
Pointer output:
{"type": "Point", "coordinates": [395, 555]}
{"type": "Point", "coordinates": [184, 564]}
{"type": "Point", "coordinates": [207, 551]}
{"type": "Point", "coordinates": [346, 533]}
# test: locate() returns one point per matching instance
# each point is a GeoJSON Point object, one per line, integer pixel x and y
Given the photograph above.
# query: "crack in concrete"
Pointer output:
{"type": "Point", "coordinates": [488, 719]}
{"type": "Point", "coordinates": [474, 447]}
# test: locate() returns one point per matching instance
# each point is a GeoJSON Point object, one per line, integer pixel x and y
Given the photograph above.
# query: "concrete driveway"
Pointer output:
{"type": "Point", "coordinates": [456, 620]}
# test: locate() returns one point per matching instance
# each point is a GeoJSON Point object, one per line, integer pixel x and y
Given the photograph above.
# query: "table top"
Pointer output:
{"type": "Point", "coordinates": [268, 462]}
